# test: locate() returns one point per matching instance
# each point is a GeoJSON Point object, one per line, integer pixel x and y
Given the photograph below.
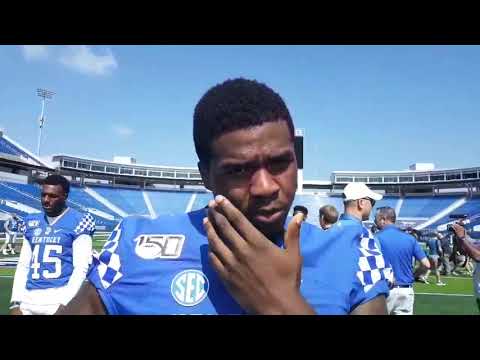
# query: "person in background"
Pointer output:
{"type": "Point", "coordinates": [327, 216]}
{"type": "Point", "coordinates": [434, 253]}
{"type": "Point", "coordinates": [399, 248]}
{"type": "Point", "coordinates": [12, 226]}
{"type": "Point", "coordinates": [300, 209]}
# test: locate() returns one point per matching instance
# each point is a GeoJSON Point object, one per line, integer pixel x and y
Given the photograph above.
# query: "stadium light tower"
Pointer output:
{"type": "Point", "coordinates": [44, 94]}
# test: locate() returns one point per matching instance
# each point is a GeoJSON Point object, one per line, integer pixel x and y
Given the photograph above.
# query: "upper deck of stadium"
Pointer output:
{"type": "Point", "coordinates": [378, 179]}
{"type": "Point", "coordinates": [113, 189]}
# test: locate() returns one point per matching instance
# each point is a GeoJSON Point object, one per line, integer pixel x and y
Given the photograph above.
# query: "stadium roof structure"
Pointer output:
{"type": "Point", "coordinates": [471, 174]}
{"type": "Point", "coordinates": [56, 158]}
{"type": "Point", "coordinates": [10, 149]}
{"type": "Point", "coordinates": [137, 173]}
{"type": "Point", "coordinates": [15, 155]}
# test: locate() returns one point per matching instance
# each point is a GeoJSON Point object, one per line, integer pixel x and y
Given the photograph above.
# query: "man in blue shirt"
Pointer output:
{"type": "Point", "coordinates": [241, 254]}
{"type": "Point", "coordinates": [359, 201]}
{"type": "Point", "coordinates": [56, 253]}
{"type": "Point", "coordinates": [399, 248]}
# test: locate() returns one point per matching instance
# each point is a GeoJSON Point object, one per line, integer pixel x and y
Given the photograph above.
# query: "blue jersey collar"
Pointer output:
{"type": "Point", "coordinates": [350, 217]}
{"type": "Point", "coordinates": [390, 226]}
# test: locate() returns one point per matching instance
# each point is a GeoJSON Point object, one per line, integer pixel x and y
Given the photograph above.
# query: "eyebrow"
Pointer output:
{"type": "Point", "coordinates": [286, 154]}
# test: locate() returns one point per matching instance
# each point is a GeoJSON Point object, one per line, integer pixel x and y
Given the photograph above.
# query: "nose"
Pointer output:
{"type": "Point", "coordinates": [263, 184]}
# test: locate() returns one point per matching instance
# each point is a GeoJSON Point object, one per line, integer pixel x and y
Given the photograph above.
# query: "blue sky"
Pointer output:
{"type": "Point", "coordinates": [362, 107]}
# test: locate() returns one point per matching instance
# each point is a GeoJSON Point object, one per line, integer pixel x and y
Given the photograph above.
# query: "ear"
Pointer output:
{"type": "Point", "coordinates": [204, 172]}
{"type": "Point", "coordinates": [360, 205]}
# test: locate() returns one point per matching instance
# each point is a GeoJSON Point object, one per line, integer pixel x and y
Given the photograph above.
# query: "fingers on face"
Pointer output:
{"type": "Point", "coordinates": [292, 235]}
{"type": "Point", "coordinates": [218, 265]}
{"type": "Point", "coordinates": [217, 246]}
{"type": "Point", "coordinates": [225, 230]}
{"type": "Point", "coordinates": [236, 218]}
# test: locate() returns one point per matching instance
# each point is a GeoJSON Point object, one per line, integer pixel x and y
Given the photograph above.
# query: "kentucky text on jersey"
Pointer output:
{"type": "Point", "coordinates": [51, 264]}
{"type": "Point", "coordinates": [161, 266]}
{"type": "Point", "coordinates": [46, 239]}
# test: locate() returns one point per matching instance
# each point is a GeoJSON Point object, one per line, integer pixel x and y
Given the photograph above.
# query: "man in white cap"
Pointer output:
{"type": "Point", "coordinates": [359, 201]}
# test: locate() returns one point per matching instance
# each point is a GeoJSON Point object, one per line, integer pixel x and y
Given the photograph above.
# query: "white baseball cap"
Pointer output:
{"type": "Point", "coordinates": [358, 190]}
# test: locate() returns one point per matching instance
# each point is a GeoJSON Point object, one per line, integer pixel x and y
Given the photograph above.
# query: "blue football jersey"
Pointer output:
{"type": "Point", "coordinates": [161, 266]}
{"type": "Point", "coordinates": [51, 264]}
{"type": "Point", "coordinates": [14, 225]}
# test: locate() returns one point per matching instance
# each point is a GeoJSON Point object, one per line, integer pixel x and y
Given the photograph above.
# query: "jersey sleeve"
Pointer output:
{"type": "Point", "coordinates": [418, 252]}
{"type": "Point", "coordinates": [109, 267]}
{"type": "Point", "coordinates": [372, 273]}
{"type": "Point", "coordinates": [86, 226]}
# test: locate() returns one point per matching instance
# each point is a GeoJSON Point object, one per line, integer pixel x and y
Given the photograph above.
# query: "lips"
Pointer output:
{"type": "Point", "coordinates": [268, 215]}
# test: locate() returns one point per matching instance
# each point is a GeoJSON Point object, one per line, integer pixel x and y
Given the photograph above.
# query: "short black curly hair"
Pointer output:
{"type": "Point", "coordinates": [233, 105]}
{"type": "Point", "coordinates": [56, 179]}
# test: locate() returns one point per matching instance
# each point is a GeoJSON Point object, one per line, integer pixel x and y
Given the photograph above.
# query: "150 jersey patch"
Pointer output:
{"type": "Point", "coordinates": [159, 246]}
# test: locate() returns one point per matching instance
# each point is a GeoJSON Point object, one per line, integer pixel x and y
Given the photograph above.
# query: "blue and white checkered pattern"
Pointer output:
{"type": "Point", "coordinates": [86, 225]}
{"type": "Point", "coordinates": [109, 265]}
{"type": "Point", "coordinates": [22, 227]}
{"type": "Point", "coordinates": [371, 263]}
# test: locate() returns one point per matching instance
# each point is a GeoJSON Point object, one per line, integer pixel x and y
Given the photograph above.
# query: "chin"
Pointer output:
{"type": "Point", "coordinates": [269, 229]}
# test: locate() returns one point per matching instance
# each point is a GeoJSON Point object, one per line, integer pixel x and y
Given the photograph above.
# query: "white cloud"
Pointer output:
{"type": "Point", "coordinates": [122, 130]}
{"type": "Point", "coordinates": [82, 58]}
{"type": "Point", "coordinates": [35, 52]}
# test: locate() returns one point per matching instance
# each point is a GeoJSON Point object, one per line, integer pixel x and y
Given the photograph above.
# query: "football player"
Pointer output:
{"type": "Point", "coordinates": [241, 254]}
{"type": "Point", "coordinates": [55, 255]}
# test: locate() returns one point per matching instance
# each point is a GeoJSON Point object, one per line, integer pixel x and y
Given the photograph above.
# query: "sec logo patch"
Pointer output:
{"type": "Point", "coordinates": [189, 287]}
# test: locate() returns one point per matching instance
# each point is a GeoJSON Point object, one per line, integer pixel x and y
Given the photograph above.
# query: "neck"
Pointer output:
{"type": "Point", "coordinates": [354, 213]}
{"type": "Point", "coordinates": [57, 212]}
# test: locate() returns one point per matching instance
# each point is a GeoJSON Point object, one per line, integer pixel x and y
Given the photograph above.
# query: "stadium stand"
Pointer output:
{"type": "Point", "coordinates": [10, 148]}
{"type": "Point", "coordinates": [78, 197]}
{"type": "Point", "coordinates": [110, 195]}
{"type": "Point", "coordinates": [425, 206]}
{"type": "Point", "coordinates": [171, 202]}
{"type": "Point", "coordinates": [9, 191]}
{"type": "Point", "coordinates": [130, 201]}
{"type": "Point", "coordinates": [166, 202]}
{"type": "Point", "coordinates": [7, 147]}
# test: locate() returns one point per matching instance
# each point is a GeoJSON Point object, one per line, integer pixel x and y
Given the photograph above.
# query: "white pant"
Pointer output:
{"type": "Point", "coordinates": [32, 309]}
{"type": "Point", "coordinates": [42, 301]}
{"type": "Point", "coordinates": [9, 239]}
{"type": "Point", "coordinates": [400, 301]}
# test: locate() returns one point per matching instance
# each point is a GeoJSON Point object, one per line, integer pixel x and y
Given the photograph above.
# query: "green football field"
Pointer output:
{"type": "Point", "coordinates": [456, 298]}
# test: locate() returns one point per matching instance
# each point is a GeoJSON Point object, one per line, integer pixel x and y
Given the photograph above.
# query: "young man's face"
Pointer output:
{"type": "Point", "coordinates": [366, 208]}
{"type": "Point", "coordinates": [256, 170]}
{"type": "Point", "coordinates": [323, 223]}
{"type": "Point", "coordinates": [53, 199]}
{"type": "Point", "coordinates": [379, 221]}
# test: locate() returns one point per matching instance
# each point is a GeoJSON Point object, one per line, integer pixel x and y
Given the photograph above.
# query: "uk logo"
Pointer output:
{"type": "Point", "coordinates": [37, 232]}
{"type": "Point", "coordinates": [189, 287]}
